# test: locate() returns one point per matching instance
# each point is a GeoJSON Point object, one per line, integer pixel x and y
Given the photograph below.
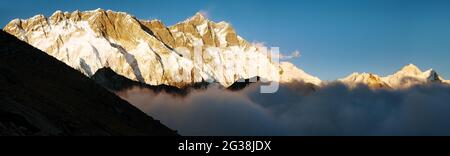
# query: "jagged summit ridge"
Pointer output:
{"type": "Point", "coordinates": [411, 75]}
{"type": "Point", "coordinates": [149, 51]}
{"type": "Point", "coordinates": [198, 17]}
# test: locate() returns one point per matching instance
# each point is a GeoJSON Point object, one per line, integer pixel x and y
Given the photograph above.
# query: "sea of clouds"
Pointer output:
{"type": "Point", "coordinates": [299, 109]}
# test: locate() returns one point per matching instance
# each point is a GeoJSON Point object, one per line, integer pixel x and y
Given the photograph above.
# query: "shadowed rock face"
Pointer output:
{"type": "Point", "coordinates": [242, 84]}
{"type": "Point", "coordinates": [40, 95]}
{"type": "Point", "coordinates": [114, 82]}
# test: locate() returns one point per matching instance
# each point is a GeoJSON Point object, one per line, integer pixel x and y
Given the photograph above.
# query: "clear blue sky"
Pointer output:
{"type": "Point", "coordinates": [335, 37]}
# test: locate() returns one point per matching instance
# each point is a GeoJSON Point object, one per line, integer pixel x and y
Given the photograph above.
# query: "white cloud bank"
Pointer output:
{"type": "Point", "coordinates": [297, 110]}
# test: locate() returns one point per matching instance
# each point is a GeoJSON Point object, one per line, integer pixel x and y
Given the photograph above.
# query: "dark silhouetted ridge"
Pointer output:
{"type": "Point", "coordinates": [40, 95]}
{"type": "Point", "coordinates": [114, 82]}
{"type": "Point", "coordinates": [242, 84]}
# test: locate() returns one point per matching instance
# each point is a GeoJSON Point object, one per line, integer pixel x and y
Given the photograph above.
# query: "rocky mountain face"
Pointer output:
{"type": "Point", "coordinates": [407, 77]}
{"type": "Point", "coordinates": [195, 50]}
{"type": "Point", "coordinates": [40, 95]}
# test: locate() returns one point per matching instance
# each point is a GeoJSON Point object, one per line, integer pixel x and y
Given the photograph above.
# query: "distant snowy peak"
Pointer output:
{"type": "Point", "coordinates": [371, 80]}
{"type": "Point", "coordinates": [289, 73]}
{"type": "Point", "coordinates": [151, 52]}
{"type": "Point", "coordinates": [411, 75]}
{"type": "Point", "coordinates": [407, 77]}
{"type": "Point", "coordinates": [410, 69]}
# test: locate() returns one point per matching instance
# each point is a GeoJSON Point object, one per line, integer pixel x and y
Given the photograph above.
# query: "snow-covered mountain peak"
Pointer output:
{"type": "Point", "coordinates": [212, 34]}
{"type": "Point", "coordinates": [369, 79]}
{"type": "Point", "coordinates": [289, 73]}
{"type": "Point", "coordinates": [411, 74]}
{"type": "Point", "coordinates": [198, 17]}
{"type": "Point", "coordinates": [410, 69]}
{"type": "Point", "coordinates": [57, 12]}
{"type": "Point", "coordinates": [432, 76]}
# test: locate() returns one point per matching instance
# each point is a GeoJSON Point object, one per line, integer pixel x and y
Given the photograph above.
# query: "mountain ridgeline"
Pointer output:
{"type": "Point", "coordinates": [40, 95]}
{"type": "Point", "coordinates": [193, 51]}
{"type": "Point", "coordinates": [405, 78]}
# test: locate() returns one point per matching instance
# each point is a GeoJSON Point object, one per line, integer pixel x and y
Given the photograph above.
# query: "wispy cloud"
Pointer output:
{"type": "Point", "coordinates": [293, 55]}
{"type": "Point", "coordinates": [258, 44]}
{"type": "Point", "coordinates": [205, 13]}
